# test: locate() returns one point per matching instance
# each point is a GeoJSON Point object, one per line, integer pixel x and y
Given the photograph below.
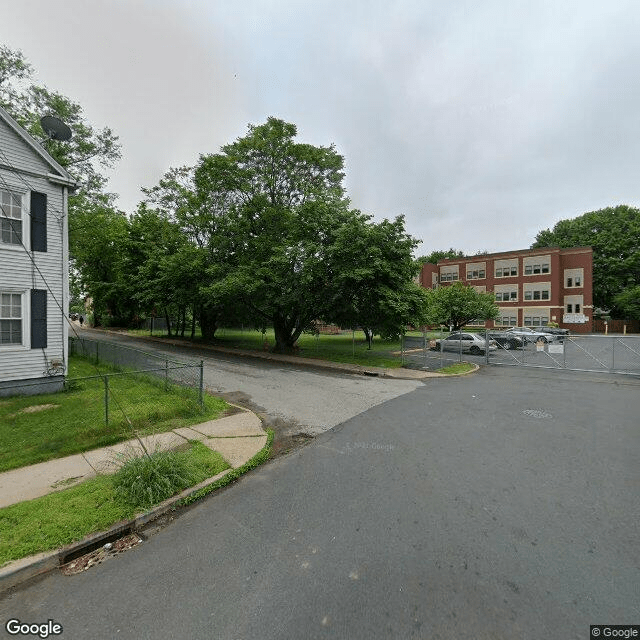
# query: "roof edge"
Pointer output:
{"type": "Point", "coordinates": [37, 147]}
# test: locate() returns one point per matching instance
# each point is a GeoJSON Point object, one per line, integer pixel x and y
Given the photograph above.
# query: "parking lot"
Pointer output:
{"type": "Point", "coordinates": [615, 354]}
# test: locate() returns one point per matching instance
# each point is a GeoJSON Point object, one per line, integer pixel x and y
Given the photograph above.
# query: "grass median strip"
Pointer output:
{"type": "Point", "coordinates": [57, 519]}
{"type": "Point", "coordinates": [39, 428]}
{"type": "Point", "coordinates": [460, 367]}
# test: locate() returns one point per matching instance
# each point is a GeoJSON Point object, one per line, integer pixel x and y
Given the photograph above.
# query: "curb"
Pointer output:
{"type": "Point", "coordinates": [326, 365]}
{"type": "Point", "coordinates": [19, 571]}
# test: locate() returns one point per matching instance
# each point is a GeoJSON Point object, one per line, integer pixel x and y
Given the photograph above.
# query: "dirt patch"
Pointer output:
{"type": "Point", "coordinates": [38, 407]}
{"type": "Point", "coordinates": [284, 444]}
{"type": "Point", "coordinates": [100, 555]}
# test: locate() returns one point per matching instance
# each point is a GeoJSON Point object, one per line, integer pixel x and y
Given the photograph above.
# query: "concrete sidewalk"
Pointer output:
{"type": "Point", "coordinates": [237, 438]}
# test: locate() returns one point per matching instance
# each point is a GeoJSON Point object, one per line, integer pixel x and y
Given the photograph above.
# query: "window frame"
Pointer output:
{"type": "Point", "coordinates": [24, 318]}
{"type": "Point", "coordinates": [24, 222]}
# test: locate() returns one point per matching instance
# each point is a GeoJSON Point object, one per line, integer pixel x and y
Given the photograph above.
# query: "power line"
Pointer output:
{"type": "Point", "coordinates": [64, 315]}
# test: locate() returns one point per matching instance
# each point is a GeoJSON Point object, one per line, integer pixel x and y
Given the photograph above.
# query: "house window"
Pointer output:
{"type": "Point", "coordinates": [10, 217]}
{"type": "Point", "coordinates": [10, 318]}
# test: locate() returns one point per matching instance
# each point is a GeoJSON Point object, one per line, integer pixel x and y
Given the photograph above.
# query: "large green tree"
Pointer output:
{"type": "Point", "coordinates": [614, 234]}
{"type": "Point", "coordinates": [458, 304]}
{"type": "Point", "coordinates": [628, 303]}
{"type": "Point", "coordinates": [371, 278]}
{"type": "Point", "coordinates": [276, 206]}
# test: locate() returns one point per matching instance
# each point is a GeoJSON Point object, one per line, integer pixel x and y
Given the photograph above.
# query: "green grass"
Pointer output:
{"type": "Point", "coordinates": [143, 481]}
{"type": "Point", "coordinates": [460, 367]}
{"type": "Point", "coordinates": [55, 520]}
{"type": "Point", "coordinates": [76, 422]}
{"type": "Point", "coordinates": [334, 348]}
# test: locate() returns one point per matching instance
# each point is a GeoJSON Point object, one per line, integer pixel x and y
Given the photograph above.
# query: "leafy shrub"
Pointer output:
{"type": "Point", "coordinates": [143, 481]}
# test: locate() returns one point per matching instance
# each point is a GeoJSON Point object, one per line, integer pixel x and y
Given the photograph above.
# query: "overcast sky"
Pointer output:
{"type": "Point", "coordinates": [481, 122]}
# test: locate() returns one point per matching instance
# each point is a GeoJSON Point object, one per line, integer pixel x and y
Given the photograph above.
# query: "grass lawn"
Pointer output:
{"type": "Point", "coordinates": [60, 518]}
{"type": "Point", "coordinates": [334, 348]}
{"type": "Point", "coordinates": [38, 428]}
{"type": "Point", "coordinates": [460, 367]}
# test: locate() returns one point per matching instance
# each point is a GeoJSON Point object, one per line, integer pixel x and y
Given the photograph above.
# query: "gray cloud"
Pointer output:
{"type": "Point", "coordinates": [482, 123]}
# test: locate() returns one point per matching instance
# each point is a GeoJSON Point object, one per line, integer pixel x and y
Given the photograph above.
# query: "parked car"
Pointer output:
{"type": "Point", "coordinates": [531, 335]}
{"type": "Point", "coordinates": [465, 342]}
{"type": "Point", "coordinates": [507, 340]}
{"type": "Point", "coordinates": [555, 331]}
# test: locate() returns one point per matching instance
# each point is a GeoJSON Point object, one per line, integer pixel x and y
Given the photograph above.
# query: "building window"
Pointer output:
{"type": "Point", "coordinates": [537, 294]}
{"type": "Point", "coordinates": [545, 268]}
{"type": "Point", "coordinates": [577, 307]}
{"type": "Point", "coordinates": [505, 272]}
{"type": "Point", "coordinates": [528, 270]}
{"type": "Point", "coordinates": [577, 282]}
{"type": "Point", "coordinates": [10, 217]}
{"type": "Point", "coordinates": [10, 318]}
{"type": "Point", "coordinates": [476, 274]}
{"type": "Point", "coordinates": [569, 308]}
{"type": "Point", "coordinates": [569, 282]}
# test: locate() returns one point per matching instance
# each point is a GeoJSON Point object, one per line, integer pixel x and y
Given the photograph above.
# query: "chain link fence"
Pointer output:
{"type": "Point", "coordinates": [437, 349]}
{"type": "Point", "coordinates": [127, 386]}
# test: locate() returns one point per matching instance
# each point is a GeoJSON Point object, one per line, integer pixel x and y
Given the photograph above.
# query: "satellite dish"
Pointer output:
{"type": "Point", "coordinates": [55, 128]}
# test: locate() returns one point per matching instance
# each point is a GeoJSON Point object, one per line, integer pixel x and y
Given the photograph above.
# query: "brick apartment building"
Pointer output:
{"type": "Point", "coordinates": [532, 287]}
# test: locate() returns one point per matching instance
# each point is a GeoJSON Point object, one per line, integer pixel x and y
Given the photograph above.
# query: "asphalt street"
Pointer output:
{"type": "Point", "coordinates": [500, 505]}
{"type": "Point", "coordinates": [293, 399]}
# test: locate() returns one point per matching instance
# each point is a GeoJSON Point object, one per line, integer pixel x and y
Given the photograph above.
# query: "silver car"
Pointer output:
{"type": "Point", "coordinates": [532, 335]}
{"type": "Point", "coordinates": [465, 342]}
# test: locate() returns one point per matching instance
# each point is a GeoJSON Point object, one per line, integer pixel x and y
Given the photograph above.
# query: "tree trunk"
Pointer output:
{"type": "Point", "coordinates": [184, 321]}
{"type": "Point", "coordinates": [193, 322]}
{"type": "Point", "coordinates": [208, 323]}
{"type": "Point", "coordinates": [284, 336]}
{"type": "Point", "coordinates": [368, 334]}
{"type": "Point", "coordinates": [168, 321]}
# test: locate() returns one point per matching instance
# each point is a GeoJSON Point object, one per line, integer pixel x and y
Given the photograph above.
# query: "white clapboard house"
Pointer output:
{"type": "Point", "coordinates": [34, 287]}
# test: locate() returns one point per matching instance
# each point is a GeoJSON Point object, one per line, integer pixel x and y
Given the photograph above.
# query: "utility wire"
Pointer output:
{"type": "Point", "coordinates": [64, 315]}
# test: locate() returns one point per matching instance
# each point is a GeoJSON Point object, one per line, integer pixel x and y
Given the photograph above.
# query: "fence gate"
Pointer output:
{"type": "Point", "coordinates": [609, 354]}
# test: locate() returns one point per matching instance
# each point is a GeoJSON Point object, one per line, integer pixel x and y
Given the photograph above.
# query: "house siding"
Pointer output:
{"type": "Point", "coordinates": [23, 170]}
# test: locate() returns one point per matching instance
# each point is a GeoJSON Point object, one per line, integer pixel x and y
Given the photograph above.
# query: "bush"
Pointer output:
{"type": "Point", "coordinates": [144, 481]}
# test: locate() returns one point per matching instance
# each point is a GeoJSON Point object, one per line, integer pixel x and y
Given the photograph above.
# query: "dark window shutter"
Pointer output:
{"type": "Point", "coordinates": [38, 221]}
{"type": "Point", "coordinates": [38, 319]}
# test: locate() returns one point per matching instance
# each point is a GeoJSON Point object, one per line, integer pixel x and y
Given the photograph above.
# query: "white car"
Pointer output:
{"type": "Point", "coordinates": [532, 335]}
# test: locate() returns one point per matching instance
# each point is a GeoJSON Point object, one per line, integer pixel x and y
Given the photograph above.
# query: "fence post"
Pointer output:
{"type": "Point", "coordinates": [424, 346]}
{"type": "Point", "coordinates": [613, 354]}
{"type": "Point", "coordinates": [106, 400]}
{"type": "Point", "coordinates": [201, 389]}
